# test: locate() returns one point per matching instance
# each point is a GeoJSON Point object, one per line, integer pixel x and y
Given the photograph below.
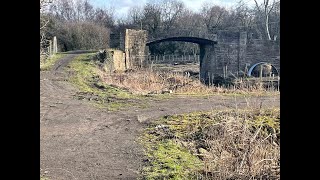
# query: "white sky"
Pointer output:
{"type": "Point", "coordinates": [121, 7]}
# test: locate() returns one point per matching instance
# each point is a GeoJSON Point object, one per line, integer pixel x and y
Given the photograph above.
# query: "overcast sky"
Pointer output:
{"type": "Point", "coordinates": [121, 6]}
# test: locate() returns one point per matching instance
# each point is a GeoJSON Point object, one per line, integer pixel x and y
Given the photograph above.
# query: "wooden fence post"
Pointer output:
{"type": "Point", "coordinates": [278, 83]}
{"type": "Point", "coordinates": [50, 48]}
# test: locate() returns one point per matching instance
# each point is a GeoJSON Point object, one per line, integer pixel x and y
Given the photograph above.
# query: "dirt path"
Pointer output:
{"type": "Point", "coordinates": [81, 142]}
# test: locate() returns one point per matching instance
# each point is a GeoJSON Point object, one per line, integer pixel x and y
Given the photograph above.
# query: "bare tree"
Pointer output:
{"type": "Point", "coordinates": [264, 10]}
{"type": "Point", "coordinates": [103, 17]}
{"type": "Point", "coordinates": [152, 18]}
{"type": "Point", "coordinates": [244, 15]}
{"type": "Point", "coordinates": [213, 16]}
{"type": "Point", "coordinates": [78, 25]}
{"type": "Point", "coordinates": [44, 20]}
{"type": "Point", "coordinates": [66, 10]}
{"type": "Point", "coordinates": [135, 16]}
{"type": "Point", "coordinates": [170, 12]}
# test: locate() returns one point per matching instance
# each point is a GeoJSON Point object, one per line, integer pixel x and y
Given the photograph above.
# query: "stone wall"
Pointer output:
{"type": "Point", "coordinates": [261, 51]}
{"type": "Point", "coordinates": [129, 47]}
{"type": "Point", "coordinates": [118, 59]}
{"type": "Point", "coordinates": [235, 53]}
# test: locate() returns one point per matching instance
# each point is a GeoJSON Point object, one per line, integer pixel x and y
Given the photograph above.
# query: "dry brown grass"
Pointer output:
{"type": "Point", "coordinates": [156, 82]}
{"type": "Point", "coordinates": [242, 148]}
{"type": "Point", "coordinates": [146, 81]}
{"type": "Point", "coordinates": [232, 144]}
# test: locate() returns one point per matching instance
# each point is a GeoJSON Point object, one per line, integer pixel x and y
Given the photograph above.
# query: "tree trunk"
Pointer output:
{"type": "Point", "coordinates": [267, 27]}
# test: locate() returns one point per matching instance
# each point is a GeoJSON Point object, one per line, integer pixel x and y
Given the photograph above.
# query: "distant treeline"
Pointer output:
{"type": "Point", "coordinates": [78, 25]}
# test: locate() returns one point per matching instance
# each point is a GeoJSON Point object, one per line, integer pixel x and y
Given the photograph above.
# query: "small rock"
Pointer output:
{"type": "Point", "coordinates": [203, 151]}
{"type": "Point", "coordinates": [46, 172]}
{"type": "Point", "coordinates": [142, 118]}
{"type": "Point", "coordinates": [184, 144]}
{"type": "Point", "coordinates": [166, 91]}
{"type": "Point", "coordinates": [158, 126]}
{"type": "Point", "coordinates": [225, 155]}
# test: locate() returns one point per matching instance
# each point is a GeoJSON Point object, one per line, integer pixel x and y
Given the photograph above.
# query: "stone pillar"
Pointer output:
{"type": "Point", "coordinates": [122, 41]}
{"type": "Point", "coordinates": [126, 49]}
{"type": "Point", "coordinates": [207, 63]}
{"type": "Point", "coordinates": [135, 46]}
{"type": "Point", "coordinates": [242, 50]}
{"type": "Point", "coordinates": [55, 45]}
{"type": "Point", "coordinates": [50, 48]}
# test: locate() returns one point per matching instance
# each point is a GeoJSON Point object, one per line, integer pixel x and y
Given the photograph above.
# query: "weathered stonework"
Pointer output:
{"type": "Point", "coordinates": [208, 64]}
{"type": "Point", "coordinates": [135, 45]}
{"type": "Point", "coordinates": [235, 53]}
{"type": "Point", "coordinates": [118, 59]}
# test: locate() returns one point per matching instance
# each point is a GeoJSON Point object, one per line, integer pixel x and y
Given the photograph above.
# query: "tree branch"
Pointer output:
{"type": "Point", "coordinates": [45, 24]}
{"type": "Point", "coordinates": [257, 5]}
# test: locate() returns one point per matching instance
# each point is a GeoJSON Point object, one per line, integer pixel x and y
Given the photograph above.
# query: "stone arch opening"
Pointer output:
{"type": "Point", "coordinates": [207, 54]}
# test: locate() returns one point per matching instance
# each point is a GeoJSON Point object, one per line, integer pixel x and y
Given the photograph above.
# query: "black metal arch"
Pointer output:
{"type": "Point", "coordinates": [259, 63]}
{"type": "Point", "coordinates": [200, 41]}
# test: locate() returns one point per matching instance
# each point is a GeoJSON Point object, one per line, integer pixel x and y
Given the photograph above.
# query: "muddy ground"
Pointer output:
{"type": "Point", "coordinates": [79, 141]}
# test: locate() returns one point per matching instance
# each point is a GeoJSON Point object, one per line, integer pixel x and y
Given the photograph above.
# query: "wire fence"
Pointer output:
{"type": "Point", "coordinates": [168, 59]}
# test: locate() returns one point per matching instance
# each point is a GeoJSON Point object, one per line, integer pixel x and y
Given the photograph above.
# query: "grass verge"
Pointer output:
{"type": "Point", "coordinates": [46, 66]}
{"type": "Point", "coordinates": [231, 144]}
{"type": "Point", "coordinates": [43, 178]}
{"type": "Point", "coordinates": [85, 77]}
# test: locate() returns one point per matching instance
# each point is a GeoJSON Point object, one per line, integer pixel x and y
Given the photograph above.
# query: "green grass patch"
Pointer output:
{"type": "Point", "coordinates": [50, 61]}
{"type": "Point", "coordinates": [168, 160]}
{"type": "Point", "coordinates": [91, 87]}
{"type": "Point", "coordinates": [43, 178]}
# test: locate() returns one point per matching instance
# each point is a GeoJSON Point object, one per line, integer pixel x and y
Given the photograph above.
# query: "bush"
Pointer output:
{"type": "Point", "coordinates": [82, 35]}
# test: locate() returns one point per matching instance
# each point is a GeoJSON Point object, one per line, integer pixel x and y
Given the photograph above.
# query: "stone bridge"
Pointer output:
{"type": "Point", "coordinates": [206, 44]}
{"type": "Point", "coordinates": [215, 58]}
{"type": "Point", "coordinates": [136, 43]}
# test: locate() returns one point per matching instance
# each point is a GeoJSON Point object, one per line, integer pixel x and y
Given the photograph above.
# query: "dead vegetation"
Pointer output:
{"type": "Point", "coordinates": [236, 144]}
{"type": "Point", "coordinates": [159, 82]}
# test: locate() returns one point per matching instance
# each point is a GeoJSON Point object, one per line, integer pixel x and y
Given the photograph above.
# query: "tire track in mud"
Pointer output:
{"type": "Point", "coordinates": [74, 141]}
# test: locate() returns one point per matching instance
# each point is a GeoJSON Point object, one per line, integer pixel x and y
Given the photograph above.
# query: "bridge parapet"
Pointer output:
{"type": "Point", "coordinates": [182, 33]}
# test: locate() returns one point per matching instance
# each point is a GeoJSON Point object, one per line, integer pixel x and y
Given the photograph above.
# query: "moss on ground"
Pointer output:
{"type": "Point", "coordinates": [172, 143]}
{"type": "Point", "coordinates": [43, 178]}
{"type": "Point", "coordinates": [91, 87]}
{"type": "Point", "coordinates": [168, 160]}
{"type": "Point", "coordinates": [47, 65]}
